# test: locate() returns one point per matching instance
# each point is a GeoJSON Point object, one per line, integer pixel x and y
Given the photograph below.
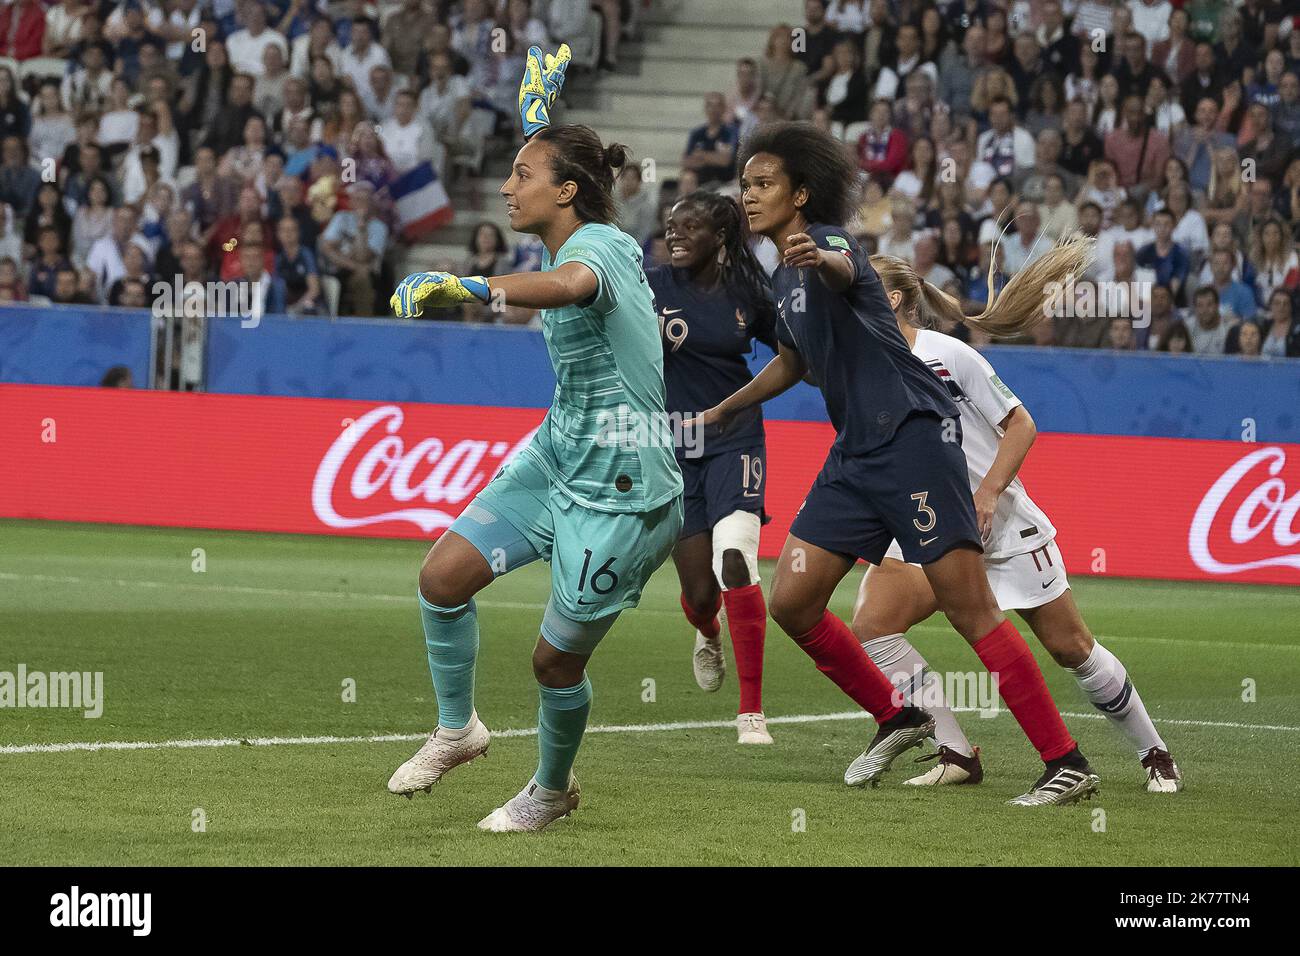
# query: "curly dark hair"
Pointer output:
{"type": "Point", "coordinates": [814, 159]}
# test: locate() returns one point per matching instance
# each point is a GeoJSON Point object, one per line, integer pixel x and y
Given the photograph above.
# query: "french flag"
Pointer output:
{"type": "Point", "coordinates": [421, 202]}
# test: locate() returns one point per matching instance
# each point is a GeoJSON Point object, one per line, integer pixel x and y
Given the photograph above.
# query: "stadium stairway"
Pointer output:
{"type": "Point", "coordinates": [685, 49]}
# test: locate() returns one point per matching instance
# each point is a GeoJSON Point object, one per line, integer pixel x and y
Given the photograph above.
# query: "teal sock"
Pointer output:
{"type": "Point", "coordinates": [451, 637]}
{"type": "Point", "coordinates": [561, 720]}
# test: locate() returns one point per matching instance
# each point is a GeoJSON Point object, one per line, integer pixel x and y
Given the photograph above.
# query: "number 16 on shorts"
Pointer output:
{"type": "Point", "coordinates": [602, 581]}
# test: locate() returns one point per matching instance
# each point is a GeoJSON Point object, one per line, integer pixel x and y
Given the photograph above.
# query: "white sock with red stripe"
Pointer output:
{"type": "Point", "coordinates": [1105, 681]}
{"type": "Point", "coordinates": [908, 671]}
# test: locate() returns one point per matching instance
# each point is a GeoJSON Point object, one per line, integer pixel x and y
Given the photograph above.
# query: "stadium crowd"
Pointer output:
{"type": "Point", "coordinates": [249, 139]}
{"type": "Point", "coordinates": [1169, 130]}
{"type": "Point", "coordinates": [245, 139]}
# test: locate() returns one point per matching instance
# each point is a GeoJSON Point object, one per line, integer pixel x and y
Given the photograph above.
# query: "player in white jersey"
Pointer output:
{"type": "Point", "coordinates": [1025, 570]}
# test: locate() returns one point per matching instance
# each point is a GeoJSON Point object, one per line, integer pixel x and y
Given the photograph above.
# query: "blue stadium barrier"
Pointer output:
{"type": "Point", "coordinates": [69, 345]}
{"type": "Point", "coordinates": [1066, 390]}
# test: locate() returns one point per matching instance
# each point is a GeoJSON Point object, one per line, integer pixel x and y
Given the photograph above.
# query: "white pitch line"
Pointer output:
{"type": "Point", "coordinates": [357, 596]}
{"type": "Point", "coordinates": [215, 742]}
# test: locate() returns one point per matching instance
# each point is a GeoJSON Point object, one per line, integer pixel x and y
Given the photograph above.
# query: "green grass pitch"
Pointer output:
{"type": "Point", "coordinates": [260, 644]}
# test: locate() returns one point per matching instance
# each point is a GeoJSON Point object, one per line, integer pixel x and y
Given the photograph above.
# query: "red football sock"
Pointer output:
{"type": "Point", "coordinates": [1020, 682]}
{"type": "Point", "coordinates": [708, 626]}
{"type": "Point", "coordinates": [840, 657]}
{"type": "Point", "coordinates": [747, 621]}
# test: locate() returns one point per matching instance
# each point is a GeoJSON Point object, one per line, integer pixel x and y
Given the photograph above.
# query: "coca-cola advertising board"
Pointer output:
{"type": "Point", "coordinates": [1123, 506]}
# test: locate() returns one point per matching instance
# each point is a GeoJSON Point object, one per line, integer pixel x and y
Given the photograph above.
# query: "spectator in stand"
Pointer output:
{"type": "Point", "coordinates": [784, 76]}
{"type": "Point", "coordinates": [1058, 214]}
{"type": "Point", "coordinates": [66, 290]}
{"type": "Point", "coordinates": [226, 130]}
{"type": "Point", "coordinates": [224, 235]}
{"type": "Point", "coordinates": [19, 182]}
{"type": "Point", "coordinates": [63, 27]}
{"type": "Point", "coordinates": [93, 219]}
{"type": "Point", "coordinates": [213, 195]}
{"type": "Point", "coordinates": [1286, 113]}
{"type": "Point", "coordinates": [15, 117]}
{"type": "Point", "coordinates": [1120, 334]}
{"type": "Point", "coordinates": [403, 34]}
{"type": "Point", "coordinates": [47, 263]}
{"type": "Point", "coordinates": [87, 85]}
{"type": "Point", "coordinates": [819, 39]}
{"type": "Point", "coordinates": [1190, 231]}
{"type": "Point", "coordinates": [1028, 244]}
{"type": "Point", "coordinates": [135, 268]}
{"type": "Point", "coordinates": [1245, 340]}
{"type": "Point", "coordinates": [318, 42]}
{"type": "Point", "coordinates": [106, 259]}
{"type": "Point", "coordinates": [22, 29]}
{"type": "Point", "coordinates": [1164, 256]}
{"type": "Point", "coordinates": [362, 55]}
{"type": "Point", "coordinates": [960, 64]}
{"type": "Point", "coordinates": [1234, 297]}
{"type": "Point", "coordinates": [1272, 251]}
{"type": "Point", "coordinates": [295, 267]}
{"type": "Point", "coordinates": [1126, 227]}
{"type": "Point", "coordinates": [742, 101]}
{"type": "Point", "coordinates": [1281, 332]}
{"type": "Point", "coordinates": [52, 129]}
{"type": "Point", "coordinates": [711, 148]}
{"type": "Point", "coordinates": [408, 138]}
{"type": "Point", "coordinates": [269, 88]}
{"type": "Point", "coordinates": [1006, 147]}
{"type": "Point", "coordinates": [637, 205]}
{"type": "Point", "coordinates": [264, 282]}
{"type": "Point", "coordinates": [883, 148]}
{"type": "Point", "coordinates": [908, 59]}
{"type": "Point", "coordinates": [247, 46]}
{"type": "Point", "coordinates": [1196, 144]}
{"type": "Point", "coordinates": [353, 246]}
{"type": "Point", "coordinates": [47, 212]}
{"type": "Point", "coordinates": [1137, 150]}
{"type": "Point", "coordinates": [846, 88]}
{"type": "Point", "coordinates": [489, 255]}
{"type": "Point", "coordinates": [446, 103]}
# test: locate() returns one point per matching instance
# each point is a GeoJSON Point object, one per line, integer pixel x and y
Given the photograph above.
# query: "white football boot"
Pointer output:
{"type": "Point", "coordinates": [533, 809]}
{"type": "Point", "coordinates": [907, 732]}
{"type": "Point", "coordinates": [951, 769]}
{"type": "Point", "coordinates": [709, 662]}
{"type": "Point", "coordinates": [1060, 786]}
{"type": "Point", "coordinates": [752, 729]}
{"type": "Point", "coordinates": [444, 749]}
{"type": "Point", "coordinates": [1163, 775]}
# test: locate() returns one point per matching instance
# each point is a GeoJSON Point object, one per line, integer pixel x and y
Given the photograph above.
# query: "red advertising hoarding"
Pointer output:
{"type": "Point", "coordinates": [1123, 506]}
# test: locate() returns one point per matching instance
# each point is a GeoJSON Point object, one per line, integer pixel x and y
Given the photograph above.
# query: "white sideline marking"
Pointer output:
{"type": "Point", "coordinates": [529, 732]}
{"type": "Point", "coordinates": [357, 596]}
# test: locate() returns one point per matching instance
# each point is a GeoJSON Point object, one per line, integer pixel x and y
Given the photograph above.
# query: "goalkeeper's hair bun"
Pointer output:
{"type": "Point", "coordinates": [577, 155]}
{"type": "Point", "coordinates": [616, 155]}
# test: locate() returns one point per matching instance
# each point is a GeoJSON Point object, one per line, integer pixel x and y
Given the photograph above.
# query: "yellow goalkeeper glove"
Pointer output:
{"type": "Point", "coordinates": [541, 85]}
{"type": "Point", "coordinates": [436, 289]}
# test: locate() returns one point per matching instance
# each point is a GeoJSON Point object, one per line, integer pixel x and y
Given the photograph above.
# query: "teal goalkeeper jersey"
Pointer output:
{"type": "Point", "coordinates": [604, 440]}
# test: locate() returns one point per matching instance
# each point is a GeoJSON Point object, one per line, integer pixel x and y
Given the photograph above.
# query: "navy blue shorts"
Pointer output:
{"type": "Point", "coordinates": [913, 489]}
{"type": "Point", "coordinates": [715, 486]}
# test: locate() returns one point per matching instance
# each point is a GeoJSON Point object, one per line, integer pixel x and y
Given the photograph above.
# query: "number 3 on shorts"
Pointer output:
{"type": "Point", "coordinates": [924, 509]}
{"type": "Point", "coordinates": [602, 572]}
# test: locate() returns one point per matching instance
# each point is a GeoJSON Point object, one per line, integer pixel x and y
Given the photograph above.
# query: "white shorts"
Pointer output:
{"type": "Point", "coordinates": [1022, 580]}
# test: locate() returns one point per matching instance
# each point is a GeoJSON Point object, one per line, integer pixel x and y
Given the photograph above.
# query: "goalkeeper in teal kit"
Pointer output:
{"type": "Point", "coordinates": [597, 493]}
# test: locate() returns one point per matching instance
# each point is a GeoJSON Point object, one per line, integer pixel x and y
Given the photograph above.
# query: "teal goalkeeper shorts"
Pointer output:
{"type": "Point", "coordinates": [600, 560]}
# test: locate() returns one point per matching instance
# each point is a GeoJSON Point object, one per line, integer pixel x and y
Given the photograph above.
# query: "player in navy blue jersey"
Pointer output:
{"type": "Point", "coordinates": [713, 301]}
{"type": "Point", "coordinates": [896, 469]}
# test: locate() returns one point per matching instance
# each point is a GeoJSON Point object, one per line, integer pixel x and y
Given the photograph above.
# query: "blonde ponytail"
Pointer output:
{"type": "Point", "coordinates": [1021, 304]}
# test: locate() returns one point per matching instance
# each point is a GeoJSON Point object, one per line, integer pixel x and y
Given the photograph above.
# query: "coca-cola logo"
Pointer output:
{"type": "Point", "coordinates": [1249, 511]}
{"type": "Point", "coordinates": [369, 475]}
